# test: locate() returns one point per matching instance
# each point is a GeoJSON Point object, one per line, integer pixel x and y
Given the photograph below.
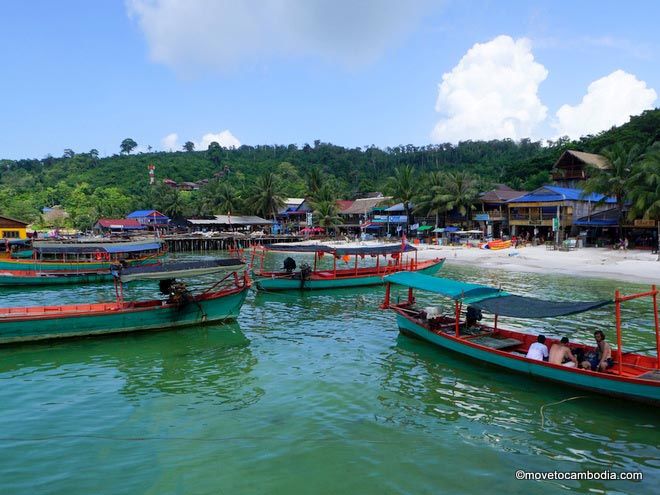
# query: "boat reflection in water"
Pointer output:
{"type": "Point", "coordinates": [212, 362]}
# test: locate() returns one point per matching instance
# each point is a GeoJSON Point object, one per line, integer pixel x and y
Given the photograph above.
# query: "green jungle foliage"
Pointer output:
{"type": "Point", "coordinates": [89, 187]}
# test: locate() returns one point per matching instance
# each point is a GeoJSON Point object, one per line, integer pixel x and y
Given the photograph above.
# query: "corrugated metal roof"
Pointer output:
{"type": "Point", "coordinates": [364, 205]}
{"type": "Point", "coordinates": [555, 193]}
{"type": "Point", "coordinates": [145, 213]}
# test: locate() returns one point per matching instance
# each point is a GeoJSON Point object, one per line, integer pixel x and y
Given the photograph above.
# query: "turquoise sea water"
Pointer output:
{"type": "Point", "coordinates": [313, 393]}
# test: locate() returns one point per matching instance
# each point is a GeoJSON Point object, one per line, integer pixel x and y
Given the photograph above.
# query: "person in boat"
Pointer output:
{"type": "Point", "coordinates": [538, 350]}
{"type": "Point", "coordinates": [601, 359]}
{"type": "Point", "coordinates": [560, 353]}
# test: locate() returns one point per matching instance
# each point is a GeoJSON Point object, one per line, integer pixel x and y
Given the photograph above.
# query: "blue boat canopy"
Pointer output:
{"type": "Point", "coordinates": [133, 248]}
{"type": "Point", "coordinates": [493, 300]}
{"type": "Point", "coordinates": [340, 251]}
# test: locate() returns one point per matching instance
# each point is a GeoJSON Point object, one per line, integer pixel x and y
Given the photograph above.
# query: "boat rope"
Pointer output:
{"type": "Point", "coordinates": [555, 403]}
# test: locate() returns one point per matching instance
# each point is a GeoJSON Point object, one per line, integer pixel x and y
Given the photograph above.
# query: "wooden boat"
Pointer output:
{"type": "Point", "coordinates": [633, 376]}
{"type": "Point", "coordinates": [54, 262]}
{"type": "Point", "coordinates": [222, 301]}
{"type": "Point", "coordinates": [497, 245]}
{"type": "Point", "coordinates": [312, 278]}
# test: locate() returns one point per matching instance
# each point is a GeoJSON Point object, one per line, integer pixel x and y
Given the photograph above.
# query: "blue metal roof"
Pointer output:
{"type": "Point", "coordinates": [555, 193]}
{"type": "Point", "coordinates": [145, 213]}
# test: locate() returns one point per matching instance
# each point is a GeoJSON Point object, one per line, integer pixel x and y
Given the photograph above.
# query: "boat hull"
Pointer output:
{"type": "Point", "coordinates": [282, 283]}
{"type": "Point", "coordinates": [16, 279]}
{"type": "Point", "coordinates": [55, 266]}
{"type": "Point", "coordinates": [639, 390]}
{"type": "Point", "coordinates": [113, 319]}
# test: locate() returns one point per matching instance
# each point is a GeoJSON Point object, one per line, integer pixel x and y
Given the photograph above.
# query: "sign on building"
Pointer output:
{"type": "Point", "coordinates": [310, 219]}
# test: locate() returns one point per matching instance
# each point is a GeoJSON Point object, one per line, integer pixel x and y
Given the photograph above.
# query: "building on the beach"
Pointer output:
{"type": "Point", "coordinates": [360, 214]}
{"type": "Point", "coordinates": [10, 228]}
{"type": "Point", "coordinates": [149, 218]}
{"type": "Point", "coordinates": [117, 225]}
{"type": "Point", "coordinates": [493, 212]}
{"type": "Point", "coordinates": [224, 223]}
{"type": "Point", "coordinates": [293, 215]}
{"type": "Point", "coordinates": [572, 168]}
{"type": "Point", "coordinates": [545, 210]}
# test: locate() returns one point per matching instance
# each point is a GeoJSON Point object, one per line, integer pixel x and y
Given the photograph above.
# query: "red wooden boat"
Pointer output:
{"type": "Point", "coordinates": [633, 375]}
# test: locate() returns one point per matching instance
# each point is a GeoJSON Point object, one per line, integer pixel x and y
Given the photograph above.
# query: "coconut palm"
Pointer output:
{"type": "Point", "coordinates": [461, 190]}
{"type": "Point", "coordinates": [404, 188]}
{"type": "Point", "coordinates": [219, 197]}
{"type": "Point", "coordinates": [433, 198]}
{"type": "Point", "coordinates": [314, 179]}
{"type": "Point", "coordinates": [644, 188]}
{"type": "Point", "coordinates": [613, 179]}
{"type": "Point", "coordinates": [265, 197]}
{"type": "Point", "coordinates": [327, 214]}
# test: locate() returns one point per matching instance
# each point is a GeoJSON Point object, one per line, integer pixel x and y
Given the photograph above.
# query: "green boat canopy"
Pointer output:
{"type": "Point", "coordinates": [493, 300]}
{"type": "Point", "coordinates": [425, 227]}
{"type": "Point", "coordinates": [443, 286]}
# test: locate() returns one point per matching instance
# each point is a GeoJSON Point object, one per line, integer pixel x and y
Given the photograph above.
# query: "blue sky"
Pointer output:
{"type": "Point", "coordinates": [82, 75]}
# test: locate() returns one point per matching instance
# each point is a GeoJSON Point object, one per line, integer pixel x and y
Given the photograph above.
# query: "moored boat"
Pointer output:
{"type": "Point", "coordinates": [83, 261]}
{"type": "Point", "coordinates": [632, 376]}
{"type": "Point", "coordinates": [312, 278]}
{"type": "Point", "coordinates": [220, 302]}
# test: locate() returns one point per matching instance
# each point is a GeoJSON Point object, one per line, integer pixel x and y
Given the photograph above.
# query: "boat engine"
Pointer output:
{"type": "Point", "coordinates": [289, 264]}
{"type": "Point", "coordinates": [472, 316]}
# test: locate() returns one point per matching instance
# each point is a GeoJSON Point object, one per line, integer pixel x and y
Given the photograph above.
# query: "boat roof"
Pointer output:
{"type": "Point", "coordinates": [491, 299]}
{"type": "Point", "coordinates": [340, 251]}
{"type": "Point", "coordinates": [177, 269]}
{"type": "Point", "coordinates": [103, 247]}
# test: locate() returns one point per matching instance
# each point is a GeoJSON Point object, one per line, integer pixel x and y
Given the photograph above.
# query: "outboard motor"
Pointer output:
{"type": "Point", "coordinates": [472, 316]}
{"type": "Point", "coordinates": [289, 264]}
{"type": "Point", "coordinates": [165, 286]}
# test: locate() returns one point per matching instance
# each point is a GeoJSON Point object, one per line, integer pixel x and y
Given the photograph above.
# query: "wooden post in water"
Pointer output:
{"type": "Point", "coordinates": [411, 297]}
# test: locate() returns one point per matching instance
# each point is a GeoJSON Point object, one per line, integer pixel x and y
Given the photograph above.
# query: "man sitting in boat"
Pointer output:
{"type": "Point", "coordinates": [538, 350]}
{"type": "Point", "coordinates": [600, 360]}
{"type": "Point", "coordinates": [560, 353]}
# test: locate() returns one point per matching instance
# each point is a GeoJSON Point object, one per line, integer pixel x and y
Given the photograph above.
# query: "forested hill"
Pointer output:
{"type": "Point", "coordinates": [113, 185]}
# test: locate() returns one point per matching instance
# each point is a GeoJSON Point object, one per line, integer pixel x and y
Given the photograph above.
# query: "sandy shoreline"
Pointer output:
{"type": "Point", "coordinates": [628, 266]}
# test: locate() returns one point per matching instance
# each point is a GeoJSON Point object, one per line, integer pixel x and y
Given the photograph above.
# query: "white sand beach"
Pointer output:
{"type": "Point", "coordinates": [629, 266]}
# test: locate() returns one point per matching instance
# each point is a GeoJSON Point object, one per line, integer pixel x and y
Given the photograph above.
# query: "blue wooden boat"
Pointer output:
{"type": "Point", "coordinates": [313, 278]}
{"type": "Point", "coordinates": [633, 376]}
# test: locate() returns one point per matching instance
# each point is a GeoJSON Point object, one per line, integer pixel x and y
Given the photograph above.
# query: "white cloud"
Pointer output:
{"type": "Point", "coordinates": [170, 142]}
{"type": "Point", "coordinates": [189, 35]}
{"type": "Point", "coordinates": [491, 93]}
{"type": "Point", "coordinates": [610, 101]}
{"type": "Point", "coordinates": [225, 139]}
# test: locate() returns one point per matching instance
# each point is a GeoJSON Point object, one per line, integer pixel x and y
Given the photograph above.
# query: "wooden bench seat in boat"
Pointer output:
{"type": "Point", "coordinates": [494, 343]}
{"type": "Point", "coordinates": [651, 375]}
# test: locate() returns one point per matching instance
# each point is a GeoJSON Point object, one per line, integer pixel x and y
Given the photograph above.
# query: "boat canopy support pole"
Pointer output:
{"type": "Point", "coordinates": [657, 324]}
{"type": "Point", "coordinates": [458, 317]}
{"type": "Point", "coordinates": [617, 315]}
{"type": "Point", "coordinates": [495, 324]}
{"type": "Point", "coordinates": [411, 296]}
{"type": "Point", "coordinates": [386, 302]}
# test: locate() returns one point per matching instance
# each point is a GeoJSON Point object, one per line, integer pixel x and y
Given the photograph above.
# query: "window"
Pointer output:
{"type": "Point", "coordinates": [10, 234]}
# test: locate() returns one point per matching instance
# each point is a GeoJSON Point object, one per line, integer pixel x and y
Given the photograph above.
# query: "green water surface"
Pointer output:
{"type": "Point", "coordinates": [314, 393]}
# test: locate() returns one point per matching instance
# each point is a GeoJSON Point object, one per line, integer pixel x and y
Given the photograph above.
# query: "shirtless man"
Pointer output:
{"type": "Point", "coordinates": [561, 354]}
{"type": "Point", "coordinates": [603, 358]}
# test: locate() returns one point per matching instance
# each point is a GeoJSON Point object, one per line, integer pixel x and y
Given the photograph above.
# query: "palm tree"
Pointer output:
{"type": "Point", "coordinates": [462, 191]}
{"type": "Point", "coordinates": [219, 197]}
{"type": "Point", "coordinates": [404, 188]}
{"type": "Point", "coordinates": [314, 178]}
{"type": "Point", "coordinates": [265, 197]}
{"type": "Point", "coordinates": [327, 214]}
{"type": "Point", "coordinates": [613, 179]}
{"type": "Point", "coordinates": [644, 188]}
{"type": "Point", "coordinates": [433, 200]}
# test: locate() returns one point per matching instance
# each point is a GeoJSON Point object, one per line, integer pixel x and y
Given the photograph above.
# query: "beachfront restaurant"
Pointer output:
{"type": "Point", "coordinates": [534, 214]}
{"type": "Point", "coordinates": [493, 218]}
